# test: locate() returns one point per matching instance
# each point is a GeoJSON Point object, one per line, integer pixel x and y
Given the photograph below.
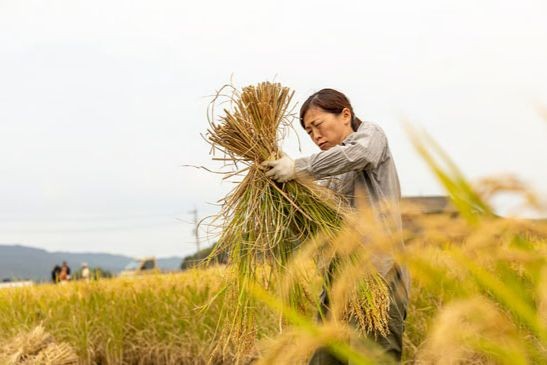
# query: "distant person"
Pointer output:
{"type": "Point", "coordinates": [85, 271]}
{"type": "Point", "coordinates": [55, 274]}
{"type": "Point", "coordinates": [67, 269]}
{"type": "Point", "coordinates": [63, 276]}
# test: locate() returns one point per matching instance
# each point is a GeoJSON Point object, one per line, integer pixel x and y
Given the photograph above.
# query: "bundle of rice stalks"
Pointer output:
{"type": "Point", "coordinates": [37, 347]}
{"type": "Point", "coordinates": [264, 221]}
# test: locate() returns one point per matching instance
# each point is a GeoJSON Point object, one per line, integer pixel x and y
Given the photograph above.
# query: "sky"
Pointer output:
{"type": "Point", "coordinates": [103, 103]}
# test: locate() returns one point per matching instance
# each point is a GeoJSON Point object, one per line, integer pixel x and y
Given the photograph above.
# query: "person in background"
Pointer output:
{"type": "Point", "coordinates": [354, 156]}
{"type": "Point", "coordinates": [55, 274]}
{"type": "Point", "coordinates": [63, 276]}
{"type": "Point", "coordinates": [65, 272]}
{"type": "Point", "coordinates": [85, 271]}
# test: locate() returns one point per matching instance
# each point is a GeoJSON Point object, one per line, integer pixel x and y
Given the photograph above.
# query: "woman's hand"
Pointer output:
{"type": "Point", "coordinates": [281, 170]}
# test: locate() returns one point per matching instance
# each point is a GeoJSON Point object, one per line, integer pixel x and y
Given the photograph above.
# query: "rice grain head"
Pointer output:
{"type": "Point", "coordinates": [472, 331]}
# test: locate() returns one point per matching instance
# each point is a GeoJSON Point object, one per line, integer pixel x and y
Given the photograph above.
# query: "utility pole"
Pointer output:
{"type": "Point", "coordinates": [196, 224]}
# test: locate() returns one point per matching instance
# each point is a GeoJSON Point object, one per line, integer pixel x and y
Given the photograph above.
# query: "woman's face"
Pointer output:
{"type": "Point", "coordinates": [327, 129]}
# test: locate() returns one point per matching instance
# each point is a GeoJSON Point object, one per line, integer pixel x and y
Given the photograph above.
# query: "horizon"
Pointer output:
{"type": "Point", "coordinates": [4, 244]}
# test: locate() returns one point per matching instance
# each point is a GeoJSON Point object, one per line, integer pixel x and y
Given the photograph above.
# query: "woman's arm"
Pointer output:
{"type": "Point", "coordinates": [362, 150]}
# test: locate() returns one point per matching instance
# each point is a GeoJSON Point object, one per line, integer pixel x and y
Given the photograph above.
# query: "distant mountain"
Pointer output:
{"type": "Point", "coordinates": [24, 262]}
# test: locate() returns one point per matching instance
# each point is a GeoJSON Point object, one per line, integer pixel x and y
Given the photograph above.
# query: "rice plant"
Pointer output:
{"type": "Point", "coordinates": [154, 319]}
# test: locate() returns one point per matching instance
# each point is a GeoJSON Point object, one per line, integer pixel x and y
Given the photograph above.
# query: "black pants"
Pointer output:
{"type": "Point", "coordinates": [393, 343]}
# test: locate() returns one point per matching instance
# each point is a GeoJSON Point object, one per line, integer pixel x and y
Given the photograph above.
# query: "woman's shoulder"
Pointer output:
{"type": "Point", "coordinates": [365, 132]}
{"type": "Point", "coordinates": [368, 125]}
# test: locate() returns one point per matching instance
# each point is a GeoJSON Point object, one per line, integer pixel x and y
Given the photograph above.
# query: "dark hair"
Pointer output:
{"type": "Point", "coordinates": [331, 101]}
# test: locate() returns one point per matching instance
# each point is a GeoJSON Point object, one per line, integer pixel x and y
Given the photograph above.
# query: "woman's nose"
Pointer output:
{"type": "Point", "coordinates": [316, 136]}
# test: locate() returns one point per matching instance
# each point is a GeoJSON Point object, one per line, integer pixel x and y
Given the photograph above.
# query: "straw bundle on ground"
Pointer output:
{"type": "Point", "coordinates": [36, 347]}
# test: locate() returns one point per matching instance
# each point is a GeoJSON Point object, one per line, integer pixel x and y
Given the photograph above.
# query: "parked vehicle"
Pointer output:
{"type": "Point", "coordinates": [8, 283]}
{"type": "Point", "coordinates": [145, 265]}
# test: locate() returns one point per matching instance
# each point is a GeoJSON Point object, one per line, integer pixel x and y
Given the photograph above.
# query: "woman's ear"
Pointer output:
{"type": "Point", "coordinates": [346, 115]}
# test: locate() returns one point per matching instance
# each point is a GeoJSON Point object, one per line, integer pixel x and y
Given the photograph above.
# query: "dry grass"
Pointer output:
{"type": "Point", "coordinates": [36, 347]}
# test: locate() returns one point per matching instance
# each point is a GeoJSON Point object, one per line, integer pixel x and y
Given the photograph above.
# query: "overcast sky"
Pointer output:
{"type": "Point", "coordinates": [102, 102]}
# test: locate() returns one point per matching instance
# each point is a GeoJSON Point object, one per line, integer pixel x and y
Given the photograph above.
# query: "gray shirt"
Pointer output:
{"type": "Point", "coordinates": [362, 163]}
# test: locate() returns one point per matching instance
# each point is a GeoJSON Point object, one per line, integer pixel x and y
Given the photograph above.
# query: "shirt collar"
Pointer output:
{"type": "Point", "coordinates": [351, 136]}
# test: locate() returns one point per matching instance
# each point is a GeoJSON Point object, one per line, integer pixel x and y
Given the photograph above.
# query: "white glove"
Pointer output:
{"type": "Point", "coordinates": [281, 170]}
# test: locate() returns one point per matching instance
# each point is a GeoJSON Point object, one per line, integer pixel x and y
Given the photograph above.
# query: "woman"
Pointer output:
{"type": "Point", "coordinates": [355, 156]}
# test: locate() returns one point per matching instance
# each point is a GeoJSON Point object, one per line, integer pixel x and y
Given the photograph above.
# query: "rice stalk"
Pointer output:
{"type": "Point", "coordinates": [310, 336]}
{"type": "Point", "coordinates": [468, 202]}
{"type": "Point", "coordinates": [487, 188]}
{"type": "Point", "coordinates": [473, 331]}
{"type": "Point", "coordinates": [522, 310]}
